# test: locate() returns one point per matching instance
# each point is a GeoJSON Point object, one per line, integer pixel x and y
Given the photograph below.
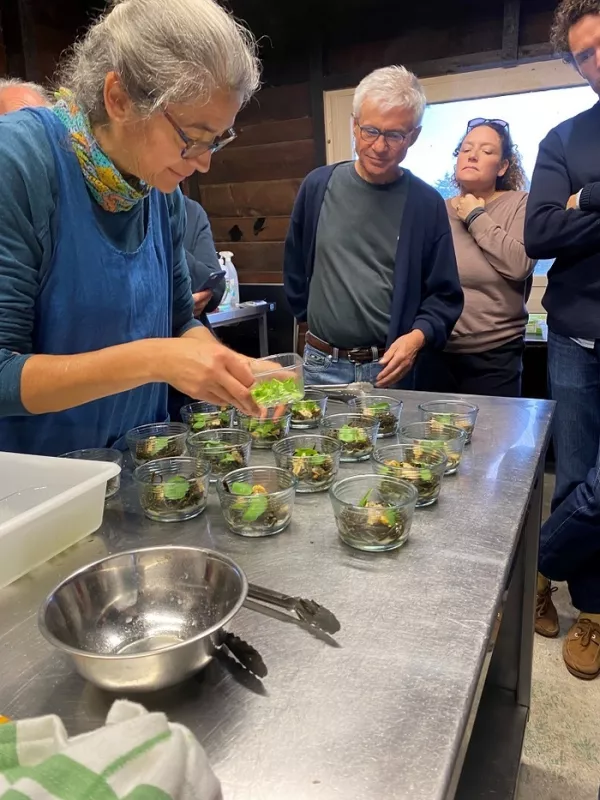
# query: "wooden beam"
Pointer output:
{"type": "Point", "coordinates": [510, 30]}
{"type": "Point", "coordinates": [274, 103]}
{"type": "Point", "coordinates": [317, 103]}
{"type": "Point", "coordinates": [453, 65]}
{"type": "Point", "coordinates": [269, 162]}
{"type": "Point", "coordinates": [255, 256]}
{"type": "Point", "coordinates": [250, 229]}
{"type": "Point", "coordinates": [254, 199]}
{"type": "Point", "coordinates": [285, 130]}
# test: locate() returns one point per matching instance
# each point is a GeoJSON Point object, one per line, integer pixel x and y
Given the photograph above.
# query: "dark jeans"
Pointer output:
{"type": "Point", "coordinates": [570, 538]}
{"type": "Point", "coordinates": [574, 379]}
{"type": "Point", "coordinates": [496, 373]}
{"type": "Point", "coordinates": [570, 543]}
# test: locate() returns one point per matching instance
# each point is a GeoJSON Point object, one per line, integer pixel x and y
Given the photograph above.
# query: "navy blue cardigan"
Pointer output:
{"type": "Point", "coordinates": [427, 293]}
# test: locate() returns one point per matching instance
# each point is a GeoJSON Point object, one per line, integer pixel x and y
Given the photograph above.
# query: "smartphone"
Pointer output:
{"type": "Point", "coordinates": [213, 279]}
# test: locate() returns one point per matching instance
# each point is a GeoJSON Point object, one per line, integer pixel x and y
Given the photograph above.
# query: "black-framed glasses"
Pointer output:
{"type": "Point", "coordinates": [194, 148]}
{"type": "Point", "coordinates": [370, 134]}
{"type": "Point", "coordinates": [475, 123]}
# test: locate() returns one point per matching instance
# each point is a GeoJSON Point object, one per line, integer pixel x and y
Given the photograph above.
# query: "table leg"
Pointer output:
{"type": "Point", "coordinates": [263, 335]}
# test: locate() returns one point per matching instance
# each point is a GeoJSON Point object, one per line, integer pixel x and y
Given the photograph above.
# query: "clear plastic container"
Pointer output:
{"type": "Point", "coordinates": [279, 380]}
{"type": "Point", "coordinates": [432, 435]}
{"type": "Point", "coordinates": [456, 413]}
{"type": "Point", "coordinates": [47, 505]}
{"type": "Point", "coordinates": [257, 501]}
{"type": "Point", "coordinates": [206, 416]}
{"type": "Point", "coordinates": [308, 412]}
{"type": "Point", "coordinates": [411, 462]}
{"type": "Point", "coordinates": [173, 489]}
{"type": "Point", "coordinates": [108, 454]}
{"type": "Point", "coordinates": [373, 512]}
{"type": "Point", "coordinates": [225, 450]}
{"type": "Point", "coordinates": [355, 432]}
{"type": "Point", "coordinates": [157, 440]}
{"type": "Point", "coordinates": [313, 460]}
{"type": "Point", "coordinates": [386, 409]}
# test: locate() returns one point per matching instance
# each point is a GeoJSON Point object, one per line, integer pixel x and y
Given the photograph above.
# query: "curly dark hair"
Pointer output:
{"type": "Point", "coordinates": [568, 13]}
{"type": "Point", "coordinates": [514, 179]}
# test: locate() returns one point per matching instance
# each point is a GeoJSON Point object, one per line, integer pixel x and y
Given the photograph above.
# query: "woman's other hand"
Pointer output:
{"type": "Point", "coordinates": [466, 204]}
{"type": "Point", "coordinates": [201, 300]}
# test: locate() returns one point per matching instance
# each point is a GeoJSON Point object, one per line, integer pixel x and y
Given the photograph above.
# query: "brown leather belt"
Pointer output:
{"type": "Point", "coordinates": [357, 355]}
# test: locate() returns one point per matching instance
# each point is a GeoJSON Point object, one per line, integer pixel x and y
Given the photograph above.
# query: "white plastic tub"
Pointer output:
{"type": "Point", "coordinates": [47, 505]}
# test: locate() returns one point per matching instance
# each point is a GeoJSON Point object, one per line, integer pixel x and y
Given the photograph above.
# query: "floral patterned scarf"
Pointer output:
{"type": "Point", "coordinates": [108, 187]}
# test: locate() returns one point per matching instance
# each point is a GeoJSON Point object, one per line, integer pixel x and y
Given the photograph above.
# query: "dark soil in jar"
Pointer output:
{"type": "Point", "coordinates": [312, 468]}
{"type": "Point", "coordinates": [255, 508]}
{"type": "Point", "coordinates": [383, 525]}
{"type": "Point", "coordinates": [157, 447]}
{"type": "Point", "coordinates": [306, 411]}
{"type": "Point", "coordinates": [354, 439]}
{"type": "Point", "coordinates": [222, 460]}
{"type": "Point", "coordinates": [176, 493]}
{"type": "Point", "coordinates": [420, 475]}
{"type": "Point", "coordinates": [268, 431]}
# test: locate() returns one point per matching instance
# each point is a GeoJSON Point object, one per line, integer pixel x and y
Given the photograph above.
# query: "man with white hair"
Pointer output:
{"type": "Point", "coordinates": [16, 94]}
{"type": "Point", "coordinates": [369, 260]}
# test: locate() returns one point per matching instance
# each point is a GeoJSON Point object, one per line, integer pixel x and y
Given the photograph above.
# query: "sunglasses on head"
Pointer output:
{"type": "Point", "coordinates": [475, 123]}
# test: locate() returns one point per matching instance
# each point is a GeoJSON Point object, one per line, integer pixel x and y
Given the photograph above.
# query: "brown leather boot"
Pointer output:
{"type": "Point", "coordinates": [546, 615]}
{"type": "Point", "coordinates": [581, 650]}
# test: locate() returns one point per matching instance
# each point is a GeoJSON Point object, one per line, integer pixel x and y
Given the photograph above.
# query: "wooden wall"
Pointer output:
{"type": "Point", "coordinates": [250, 189]}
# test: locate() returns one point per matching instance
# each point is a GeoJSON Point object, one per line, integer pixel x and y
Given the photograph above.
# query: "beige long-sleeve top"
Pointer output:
{"type": "Point", "coordinates": [494, 271]}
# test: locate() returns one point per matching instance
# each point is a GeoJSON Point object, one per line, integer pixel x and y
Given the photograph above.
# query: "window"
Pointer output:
{"type": "Point", "coordinates": [532, 98]}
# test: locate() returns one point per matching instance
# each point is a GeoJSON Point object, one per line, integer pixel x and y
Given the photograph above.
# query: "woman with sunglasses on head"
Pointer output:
{"type": "Point", "coordinates": [97, 315]}
{"type": "Point", "coordinates": [485, 351]}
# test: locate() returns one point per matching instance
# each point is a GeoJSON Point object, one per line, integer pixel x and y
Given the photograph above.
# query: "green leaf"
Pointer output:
{"type": "Point", "coordinates": [389, 515]}
{"type": "Point", "coordinates": [445, 419]}
{"type": "Point", "coordinates": [243, 489]}
{"type": "Point", "coordinates": [306, 405]}
{"type": "Point", "coordinates": [379, 408]}
{"type": "Point", "coordinates": [425, 474]}
{"type": "Point", "coordinates": [274, 392]}
{"type": "Point", "coordinates": [348, 434]}
{"type": "Point", "coordinates": [199, 422]}
{"type": "Point", "coordinates": [176, 487]}
{"type": "Point", "coordinates": [306, 451]}
{"type": "Point", "coordinates": [158, 443]}
{"type": "Point", "coordinates": [255, 508]}
{"type": "Point", "coordinates": [229, 458]}
{"type": "Point", "coordinates": [224, 416]}
{"type": "Point", "coordinates": [362, 503]}
{"type": "Point", "coordinates": [213, 444]}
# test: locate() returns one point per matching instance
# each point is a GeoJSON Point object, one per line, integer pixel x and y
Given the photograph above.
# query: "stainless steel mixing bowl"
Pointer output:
{"type": "Point", "coordinates": [145, 619]}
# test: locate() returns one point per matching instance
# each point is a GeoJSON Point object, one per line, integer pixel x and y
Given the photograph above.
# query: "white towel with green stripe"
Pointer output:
{"type": "Point", "coordinates": [136, 756]}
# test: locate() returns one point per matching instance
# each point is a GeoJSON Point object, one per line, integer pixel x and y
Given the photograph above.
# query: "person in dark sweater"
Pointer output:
{"type": "Point", "coordinates": [202, 259]}
{"type": "Point", "coordinates": [369, 260]}
{"type": "Point", "coordinates": [563, 222]}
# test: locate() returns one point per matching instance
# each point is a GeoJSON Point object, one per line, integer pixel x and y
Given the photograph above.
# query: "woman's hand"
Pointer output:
{"type": "Point", "coordinates": [466, 204]}
{"type": "Point", "coordinates": [201, 367]}
{"type": "Point", "coordinates": [201, 300]}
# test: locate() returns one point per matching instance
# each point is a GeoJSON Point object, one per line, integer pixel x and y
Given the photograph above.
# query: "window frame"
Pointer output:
{"type": "Point", "coordinates": [531, 77]}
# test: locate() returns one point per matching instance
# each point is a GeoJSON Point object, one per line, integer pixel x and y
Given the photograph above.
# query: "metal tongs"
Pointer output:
{"type": "Point", "coordinates": [308, 611]}
{"type": "Point", "coordinates": [343, 391]}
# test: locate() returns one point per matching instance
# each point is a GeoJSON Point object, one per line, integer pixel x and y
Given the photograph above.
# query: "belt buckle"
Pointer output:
{"type": "Point", "coordinates": [354, 355]}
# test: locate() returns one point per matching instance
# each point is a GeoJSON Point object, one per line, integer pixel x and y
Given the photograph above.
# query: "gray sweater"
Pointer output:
{"type": "Point", "coordinates": [494, 273]}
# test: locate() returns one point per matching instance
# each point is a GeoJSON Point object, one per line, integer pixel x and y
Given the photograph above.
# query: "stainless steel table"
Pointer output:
{"type": "Point", "coordinates": [422, 696]}
{"type": "Point", "coordinates": [243, 313]}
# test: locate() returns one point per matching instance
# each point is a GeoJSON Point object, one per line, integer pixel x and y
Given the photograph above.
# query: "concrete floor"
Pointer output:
{"type": "Point", "coordinates": [562, 745]}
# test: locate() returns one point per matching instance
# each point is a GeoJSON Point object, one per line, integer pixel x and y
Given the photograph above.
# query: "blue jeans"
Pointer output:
{"type": "Point", "coordinates": [570, 538]}
{"type": "Point", "coordinates": [323, 369]}
{"type": "Point", "coordinates": [574, 377]}
{"type": "Point", "coordinates": [570, 543]}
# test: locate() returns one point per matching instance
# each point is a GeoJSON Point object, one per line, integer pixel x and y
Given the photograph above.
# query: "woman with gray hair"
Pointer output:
{"type": "Point", "coordinates": [96, 308]}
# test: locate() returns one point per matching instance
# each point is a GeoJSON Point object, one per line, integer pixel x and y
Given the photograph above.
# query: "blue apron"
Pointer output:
{"type": "Point", "coordinates": [93, 296]}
